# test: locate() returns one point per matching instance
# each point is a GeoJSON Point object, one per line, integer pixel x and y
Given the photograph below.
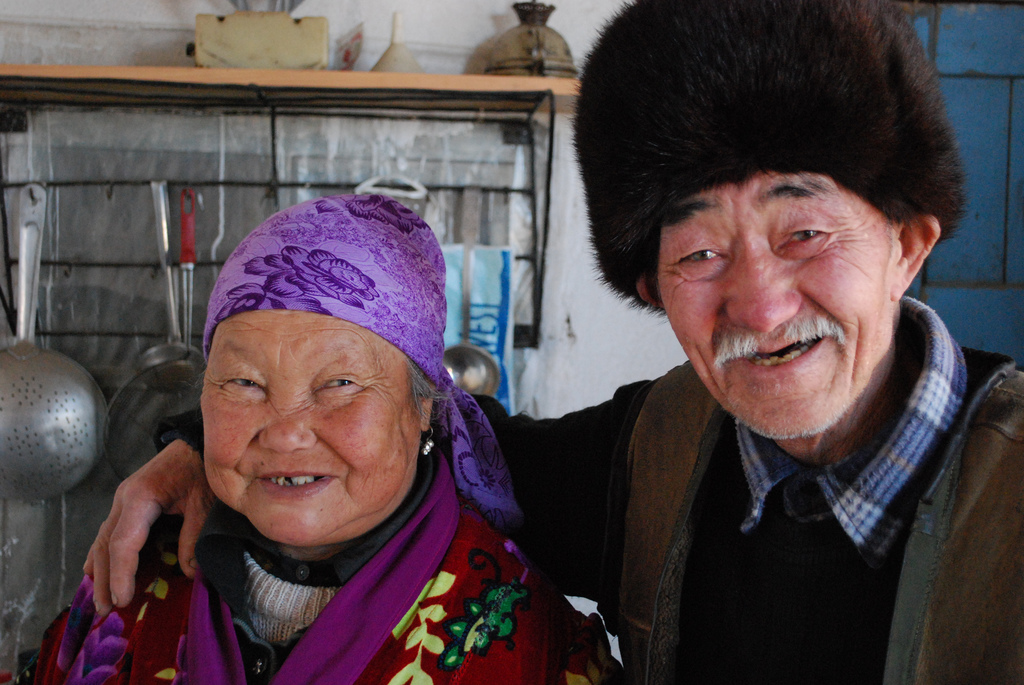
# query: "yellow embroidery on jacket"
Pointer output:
{"type": "Point", "coordinates": [159, 588]}
{"type": "Point", "coordinates": [435, 587]}
{"type": "Point", "coordinates": [420, 637]}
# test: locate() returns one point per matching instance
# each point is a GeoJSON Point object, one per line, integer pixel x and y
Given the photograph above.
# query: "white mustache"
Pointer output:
{"type": "Point", "coordinates": [739, 344]}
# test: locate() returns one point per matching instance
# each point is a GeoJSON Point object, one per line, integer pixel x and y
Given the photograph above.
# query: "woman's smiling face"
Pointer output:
{"type": "Point", "coordinates": [311, 428]}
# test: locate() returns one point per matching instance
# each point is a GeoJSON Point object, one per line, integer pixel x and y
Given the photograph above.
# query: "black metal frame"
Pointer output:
{"type": "Point", "coordinates": [19, 94]}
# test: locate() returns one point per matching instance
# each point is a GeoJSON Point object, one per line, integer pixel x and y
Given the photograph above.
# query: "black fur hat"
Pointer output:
{"type": "Point", "coordinates": [678, 96]}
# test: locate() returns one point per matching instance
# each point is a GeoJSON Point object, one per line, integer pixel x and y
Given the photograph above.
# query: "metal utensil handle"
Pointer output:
{"type": "Point", "coordinates": [31, 216]}
{"type": "Point", "coordinates": [160, 207]}
{"type": "Point", "coordinates": [188, 226]}
{"type": "Point", "coordinates": [188, 258]}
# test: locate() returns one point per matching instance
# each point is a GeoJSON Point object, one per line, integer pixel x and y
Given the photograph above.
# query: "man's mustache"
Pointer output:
{"type": "Point", "coordinates": [740, 344]}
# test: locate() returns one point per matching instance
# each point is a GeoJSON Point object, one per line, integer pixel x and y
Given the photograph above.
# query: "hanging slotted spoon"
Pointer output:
{"type": "Point", "coordinates": [51, 409]}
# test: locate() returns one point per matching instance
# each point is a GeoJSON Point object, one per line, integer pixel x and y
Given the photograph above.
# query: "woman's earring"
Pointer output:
{"type": "Point", "coordinates": [428, 443]}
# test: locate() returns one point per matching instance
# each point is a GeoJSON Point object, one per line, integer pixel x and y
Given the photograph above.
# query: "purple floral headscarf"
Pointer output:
{"type": "Point", "coordinates": [369, 260]}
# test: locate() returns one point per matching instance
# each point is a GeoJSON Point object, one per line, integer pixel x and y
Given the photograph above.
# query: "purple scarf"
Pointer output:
{"type": "Point", "coordinates": [355, 623]}
{"type": "Point", "coordinates": [369, 260]}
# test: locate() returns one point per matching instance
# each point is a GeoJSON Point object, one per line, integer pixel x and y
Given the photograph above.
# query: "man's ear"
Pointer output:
{"type": "Point", "coordinates": [647, 289]}
{"type": "Point", "coordinates": [916, 239]}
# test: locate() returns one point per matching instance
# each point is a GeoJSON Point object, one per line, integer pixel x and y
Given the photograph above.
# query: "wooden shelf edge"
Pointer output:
{"type": "Point", "coordinates": [563, 89]}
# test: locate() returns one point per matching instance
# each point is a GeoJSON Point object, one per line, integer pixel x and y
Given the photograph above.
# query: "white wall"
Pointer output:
{"type": "Point", "coordinates": [591, 342]}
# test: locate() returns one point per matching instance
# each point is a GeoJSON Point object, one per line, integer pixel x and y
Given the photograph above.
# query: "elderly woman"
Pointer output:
{"type": "Point", "coordinates": [348, 544]}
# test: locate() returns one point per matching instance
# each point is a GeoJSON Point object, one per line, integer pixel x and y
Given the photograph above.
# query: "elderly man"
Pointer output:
{"type": "Point", "coordinates": [830, 490]}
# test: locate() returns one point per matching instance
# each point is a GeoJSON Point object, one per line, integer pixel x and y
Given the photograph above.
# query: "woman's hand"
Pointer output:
{"type": "Point", "coordinates": [173, 482]}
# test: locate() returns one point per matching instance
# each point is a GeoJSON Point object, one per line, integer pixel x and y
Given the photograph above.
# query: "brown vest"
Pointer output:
{"type": "Point", "coordinates": [959, 615]}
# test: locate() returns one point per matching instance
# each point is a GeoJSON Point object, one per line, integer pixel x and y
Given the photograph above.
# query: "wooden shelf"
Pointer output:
{"type": "Point", "coordinates": [30, 84]}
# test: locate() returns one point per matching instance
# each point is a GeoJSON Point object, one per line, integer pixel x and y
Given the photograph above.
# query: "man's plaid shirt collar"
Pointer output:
{"type": "Point", "coordinates": [863, 491]}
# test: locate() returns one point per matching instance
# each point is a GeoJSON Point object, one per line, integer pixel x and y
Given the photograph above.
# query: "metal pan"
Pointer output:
{"type": "Point", "coordinates": [168, 380]}
{"type": "Point", "coordinates": [51, 409]}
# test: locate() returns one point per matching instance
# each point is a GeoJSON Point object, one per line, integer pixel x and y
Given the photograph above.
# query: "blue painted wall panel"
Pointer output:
{"type": "Point", "coordinates": [980, 39]}
{"type": "Point", "coordinates": [915, 287]}
{"type": "Point", "coordinates": [979, 110]}
{"type": "Point", "coordinates": [1015, 215]}
{"type": "Point", "coordinates": [922, 21]}
{"type": "Point", "coordinates": [990, 320]}
{"type": "Point", "coordinates": [988, 114]}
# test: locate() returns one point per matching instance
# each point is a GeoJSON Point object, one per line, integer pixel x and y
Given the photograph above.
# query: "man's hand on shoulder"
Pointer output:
{"type": "Point", "coordinates": [173, 482]}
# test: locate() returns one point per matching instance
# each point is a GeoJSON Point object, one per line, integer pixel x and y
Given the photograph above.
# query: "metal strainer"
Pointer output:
{"type": "Point", "coordinates": [51, 409]}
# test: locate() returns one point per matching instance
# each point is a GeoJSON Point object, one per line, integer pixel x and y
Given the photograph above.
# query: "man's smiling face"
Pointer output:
{"type": "Point", "coordinates": [784, 293]}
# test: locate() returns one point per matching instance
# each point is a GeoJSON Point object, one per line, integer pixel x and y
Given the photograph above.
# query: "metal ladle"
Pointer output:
{"type": "Point", "coordinates": [51, 409]}
{"type": "Point", "coordinates": [473, 369]}
{"type": "Point", "coordinates": [169, 379]}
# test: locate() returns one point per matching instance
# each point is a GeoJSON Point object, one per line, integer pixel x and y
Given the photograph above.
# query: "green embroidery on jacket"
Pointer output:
{"type": "Point", "coordinates": [488, 618]}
